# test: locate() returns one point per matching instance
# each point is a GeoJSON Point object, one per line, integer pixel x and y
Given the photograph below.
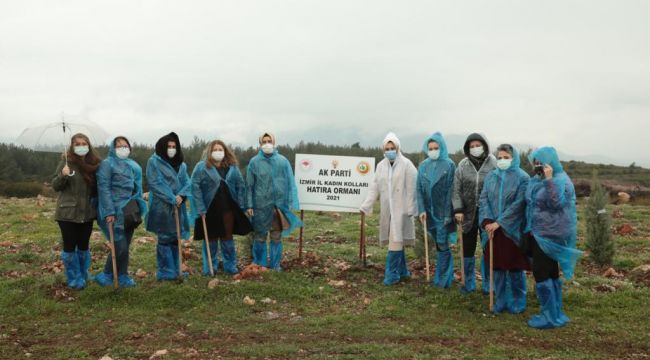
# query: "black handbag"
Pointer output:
{"type": "Point", "coordinates": [132, 216]}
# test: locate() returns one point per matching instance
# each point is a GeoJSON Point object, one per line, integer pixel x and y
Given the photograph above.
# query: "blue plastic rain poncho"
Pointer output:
{"type": "Point", "coordinates": [165, 183]}
{"type": "Point", "coordinates": [551, 212]}
{"type": "Point", "coordinates": [435, 184]}
{"type": "Point", "coordinates": [503, 200]}
{"type": "Point", "coordinates": [269, 185]}
{"type": "Point", "coordinates": [118, 182]}
{"type": "Point", "coordinates": [205, 184]}
{"type": "Point", "coordinates": [167, 178]}
{"type": "Point", "coordinates": [434, 192]}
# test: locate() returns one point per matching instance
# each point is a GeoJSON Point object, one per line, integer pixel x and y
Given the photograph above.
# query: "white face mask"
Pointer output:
{"type": "Point", "coordinates": [81, 150]}
{"type": "Point", "coordinates": [267, 148]}
{"type": "Point", "coordinates": [122, 152]}
{"type": "Point", "coordinates": [476, 151]}
{"type": "Point", "coordinates": [504, 164]}
{"type": "Point", "coordinates": [217, 155]}
{"type": "Point", "coordinates": [171, 153]}
{"type": "Point", "coordinates": [434, 154]}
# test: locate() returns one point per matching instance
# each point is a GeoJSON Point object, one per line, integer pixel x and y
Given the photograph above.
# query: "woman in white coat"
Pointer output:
{"type": "Point", "coordinates": [395, 183]}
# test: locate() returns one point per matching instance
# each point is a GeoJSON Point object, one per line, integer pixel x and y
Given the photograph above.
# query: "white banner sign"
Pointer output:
{"type": "Point", "coordinates": [333, 183]}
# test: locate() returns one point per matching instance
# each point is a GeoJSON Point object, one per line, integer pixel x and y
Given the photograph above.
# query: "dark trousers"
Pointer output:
{"type": "Point", "coordinates": [544, 267]}
{"type": "Point", "coordinates": [469, 241]}
{"type": "Point", "coordinates": [121, 254]}
{"type": "Point", "coordinates": [76, 236]}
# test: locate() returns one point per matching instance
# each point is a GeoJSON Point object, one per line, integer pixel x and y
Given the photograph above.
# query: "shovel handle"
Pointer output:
{"type": "Point", "coordinates": [180, 248]}
{"type": "Point", "coordinates": [111, 238]}
{"type": "Point", "coordinates": [426, 247]}
{"type": "Point", "coordinates": [207, 244]}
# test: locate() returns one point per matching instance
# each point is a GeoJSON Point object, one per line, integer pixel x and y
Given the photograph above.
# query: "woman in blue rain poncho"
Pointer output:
{"type": "Point", "coordinates": [271, 196]}
{"type": "Point", "coordinates": [468, 183]}
{"type": "Point", "coordinates": [395, 184]}
{"type": "Point", "coordinates": [502, 213]}
{"type": "Point", "coordinates": [552, 228]}
{"type": "Point", "coordinates": [119, 185]}
{"type": "Point", "coordinates": [219, 194]}
{"type": "Point", "coordinates": [435, 185]}
{"type": "Point", "coordinates": [169, 188]}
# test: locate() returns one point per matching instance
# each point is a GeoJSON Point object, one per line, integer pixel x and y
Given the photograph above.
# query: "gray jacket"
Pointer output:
{"type": "Point", "coordinates": [468, 183]}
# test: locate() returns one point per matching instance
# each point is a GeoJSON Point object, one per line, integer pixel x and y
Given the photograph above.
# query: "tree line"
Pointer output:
{"type": "Point", "coordinates": [20, 166]}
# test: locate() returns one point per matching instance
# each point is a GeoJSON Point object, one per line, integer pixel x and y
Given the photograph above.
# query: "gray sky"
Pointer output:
{"type": "Point", "coordinates": [573, 74]}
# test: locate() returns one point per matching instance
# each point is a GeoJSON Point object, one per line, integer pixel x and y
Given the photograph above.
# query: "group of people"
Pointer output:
{"type": "Point", "coordinates": [530, 221]}
{"type": "Point", "coordinates": [215, 200]}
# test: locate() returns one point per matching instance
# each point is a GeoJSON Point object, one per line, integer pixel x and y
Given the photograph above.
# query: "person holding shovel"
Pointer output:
{"type": "Point", "coordinates": [468, 183]}
{"type": "Point", "coordinates": [271, 196]}
{"type": "Point", "coordinates": [121, 208]}
{"type": "Point", "coordinates": [502, 214]}
{"type": "Point", "coordinates": [395, 184]}
{"type": "Point", "coordinates": [76, 207]}
{"type": "Point", "coordinates": [169, 188]}
{"type": "Point", "coordinates": [552, 231]}
{"type": "Point", "coordinates": [435, 183]}
{"type": "Point", "coordinates": [218, 206]}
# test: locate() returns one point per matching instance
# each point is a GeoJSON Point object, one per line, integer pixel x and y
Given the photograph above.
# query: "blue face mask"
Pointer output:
{"type": "Point", "coordinates": [390, 154]}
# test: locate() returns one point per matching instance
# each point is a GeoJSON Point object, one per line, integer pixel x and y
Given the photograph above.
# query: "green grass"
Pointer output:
{"type": "Point", "coordinates": [310, 318]}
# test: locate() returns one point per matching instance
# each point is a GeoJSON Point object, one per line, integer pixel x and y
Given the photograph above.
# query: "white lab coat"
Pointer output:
{"type": "Point", "coordinates": [395, 185]}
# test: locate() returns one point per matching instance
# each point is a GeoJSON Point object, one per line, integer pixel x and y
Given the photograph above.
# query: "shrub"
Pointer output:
{"type": "Point", "coordinates": [600, 242]}
{"type": "Point", "coordinates": [20, 189]}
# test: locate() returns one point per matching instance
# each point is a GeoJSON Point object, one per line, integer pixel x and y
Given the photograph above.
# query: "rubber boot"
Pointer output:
{"type": "Point", "coordinates": [166, 264]}
{"type": "Point", "coordinates": [500, 292]}
{"type": "Point", "coordinates": [392, 271]}
{"type": "Point", "coordinates": [276, 254]}
{"type": "Point", "coordinates": [404, 273]}
{"type": "Point", "coordinates": [519, 291]}
{"type": "Point", "coordinates": [485, 275]}
{"type": "Point", "coordinates": [260, 253]}
{"type": "Point", "coordinates": [444, 269]}
{"type": "Point", "coordinates": [104, 279]}
{"type": "Point", "coordinates": [176, 260]}
{"type": "Point", "coordinates": [229, 255]}
{"type": "Point", "coordinates": [557, 284]}
{"type": "Point", "coordinates": [214, 254]}
{"type": "Point", "coordinates": [469, 264]}
{"type": "Point", "coordinates": [126, 281]}
{"type": "Point", "coordinates": [72, 270]}
{"type": "Point", "coordinates": [548, 318]}
{"type": "Point", "coordinates": [84, 265]}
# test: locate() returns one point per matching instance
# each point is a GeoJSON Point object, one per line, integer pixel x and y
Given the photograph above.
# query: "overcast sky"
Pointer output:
{"type": "Point", "coordinates": [573, 74]}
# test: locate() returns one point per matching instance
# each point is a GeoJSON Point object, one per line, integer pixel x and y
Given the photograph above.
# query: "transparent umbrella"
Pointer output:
{"type": "Point", "coordinates": [55, 136]}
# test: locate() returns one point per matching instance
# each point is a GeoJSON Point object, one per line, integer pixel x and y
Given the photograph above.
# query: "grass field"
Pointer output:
{"type": "Point", "coordinates": [307, 317]}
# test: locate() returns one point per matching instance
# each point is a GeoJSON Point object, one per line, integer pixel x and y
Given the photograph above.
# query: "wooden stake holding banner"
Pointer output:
{"type": "Point", "coordinates": [114, 260]}
{"type": "Point", "coordinates": [362, 240]}
{"type": "Point", "coordinates": [300, 239]}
